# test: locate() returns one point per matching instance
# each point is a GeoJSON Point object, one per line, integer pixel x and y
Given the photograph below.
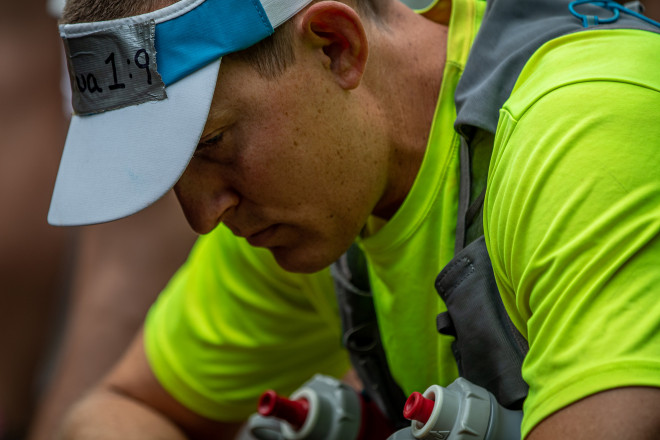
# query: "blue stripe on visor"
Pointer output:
{"type": "Point", "coordinates": [206, 33]}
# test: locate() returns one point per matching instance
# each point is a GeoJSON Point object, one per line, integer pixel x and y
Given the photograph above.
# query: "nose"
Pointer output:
{"type": "Point", "coordinates": [204, 197]}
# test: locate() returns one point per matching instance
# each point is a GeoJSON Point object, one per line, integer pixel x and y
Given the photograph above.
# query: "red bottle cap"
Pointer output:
{"type": "Point", "coordinates": [418, 408]}
{"type": "Point", "coordinates": [293, 412]}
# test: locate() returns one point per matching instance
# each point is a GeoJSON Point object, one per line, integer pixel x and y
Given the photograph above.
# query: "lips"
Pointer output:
{"type": "Point", "coordinates": [262, 237]}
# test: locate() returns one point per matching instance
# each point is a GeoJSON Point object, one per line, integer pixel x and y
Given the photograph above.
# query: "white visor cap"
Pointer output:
{"type": "Point", "coordinates": [142, 88]}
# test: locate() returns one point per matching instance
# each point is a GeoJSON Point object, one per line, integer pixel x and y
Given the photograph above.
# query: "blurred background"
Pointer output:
{"type": "Point", "coordinates": [34, 257]}
{"type": "Point", "coordinates": [70, 298]}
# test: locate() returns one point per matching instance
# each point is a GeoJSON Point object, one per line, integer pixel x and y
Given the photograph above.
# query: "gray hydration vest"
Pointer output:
{"type": "Point", "coordinates": [489, 350]}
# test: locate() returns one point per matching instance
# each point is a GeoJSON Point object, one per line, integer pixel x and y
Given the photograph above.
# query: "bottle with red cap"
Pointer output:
{"type": "Point", "coordinates": [461, 411]}
{"type": "Point", "coordinates": [322, 409]}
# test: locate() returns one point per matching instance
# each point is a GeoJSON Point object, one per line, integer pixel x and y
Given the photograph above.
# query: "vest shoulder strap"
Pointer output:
{"type": "Point", "coordinates": [361, 336]}
{"type": "Point", "coordinates": [488, 348]}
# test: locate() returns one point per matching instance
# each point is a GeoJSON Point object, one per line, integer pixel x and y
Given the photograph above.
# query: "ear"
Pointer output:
{"type": "Point", "coordinates": [335, 31]}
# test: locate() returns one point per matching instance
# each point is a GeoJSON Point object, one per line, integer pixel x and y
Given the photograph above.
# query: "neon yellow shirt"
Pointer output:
{"type": "Point", "coordinates": [232, 324]}
{"type": "Point", "coordinates": [572, 216]}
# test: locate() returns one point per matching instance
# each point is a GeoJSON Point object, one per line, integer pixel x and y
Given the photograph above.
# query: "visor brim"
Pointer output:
{"type": "Point", "coordinates": [117, 163]}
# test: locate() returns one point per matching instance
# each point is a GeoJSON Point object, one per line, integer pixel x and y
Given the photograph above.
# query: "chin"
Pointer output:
{"type": "Point", "coordinates": [298, 261]}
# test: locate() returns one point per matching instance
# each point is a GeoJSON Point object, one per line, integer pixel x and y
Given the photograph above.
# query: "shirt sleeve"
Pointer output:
{"type": "Point", "coordinates": [572, 222]}
{"type": "Point", "coordinates": [232, 324]}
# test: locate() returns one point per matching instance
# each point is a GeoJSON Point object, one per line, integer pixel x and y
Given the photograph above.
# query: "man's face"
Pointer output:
{"type": "Point", "coordinates": [292, 164]}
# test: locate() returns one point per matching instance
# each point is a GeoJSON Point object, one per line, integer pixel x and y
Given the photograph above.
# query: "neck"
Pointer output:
{"type": "Point", "coordinates": [406, 74]}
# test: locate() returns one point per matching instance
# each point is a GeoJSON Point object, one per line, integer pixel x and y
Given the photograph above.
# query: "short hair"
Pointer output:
{"type": "Point", "coordinates": [270, 57]}
{"type": "Point", "coordinates": [84, 11]}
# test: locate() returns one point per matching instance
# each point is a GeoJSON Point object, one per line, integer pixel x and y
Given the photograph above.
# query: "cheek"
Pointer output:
{"type": "Point", "coordinates": [305, 157]}
{"type": "Point", "coordinates": [278, 159]}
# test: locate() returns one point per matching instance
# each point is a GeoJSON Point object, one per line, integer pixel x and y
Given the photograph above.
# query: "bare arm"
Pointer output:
{"type": "Point", "coordinates": [120, 269]}
{"type": "Point", "coordinates": [616, 414]}
{"type": "Point", "coordinates": [131, 404]}
{"type": "Point", "coordinates": [113, 415]}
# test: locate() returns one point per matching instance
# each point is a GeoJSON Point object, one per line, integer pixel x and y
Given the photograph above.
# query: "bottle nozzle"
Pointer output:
{"type": "Point", "coordinates": [293, 412]}
{"type": "Point", "coordinates": [418, 408]}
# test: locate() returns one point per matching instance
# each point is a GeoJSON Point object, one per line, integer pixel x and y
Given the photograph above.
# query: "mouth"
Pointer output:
{"type": "Point", "coordinates": [262, 237]}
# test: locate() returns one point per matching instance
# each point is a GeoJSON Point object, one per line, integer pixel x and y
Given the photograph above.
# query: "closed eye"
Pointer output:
{"type": "Point", "coordinates": [209, 142]}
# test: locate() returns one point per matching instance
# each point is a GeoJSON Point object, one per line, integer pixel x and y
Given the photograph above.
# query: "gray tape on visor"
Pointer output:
{"type": "Point", "coordinates": [113, 69]}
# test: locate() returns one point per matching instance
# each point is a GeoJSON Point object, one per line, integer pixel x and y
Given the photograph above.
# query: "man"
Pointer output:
{"type": "Point", "coordinates": [341, 128]}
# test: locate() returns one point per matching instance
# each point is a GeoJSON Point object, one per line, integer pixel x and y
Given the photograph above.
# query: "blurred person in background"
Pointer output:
{"type": "Point", "coordinates": [33, 255]}
{"type": "Point", "coordinates": [71, 298]}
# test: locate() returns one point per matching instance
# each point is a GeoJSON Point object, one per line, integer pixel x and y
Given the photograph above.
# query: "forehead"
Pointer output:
{"type": "Point", "coordinates": [244, 95]}
{"type": "Point", "coordinates": [237, 83]}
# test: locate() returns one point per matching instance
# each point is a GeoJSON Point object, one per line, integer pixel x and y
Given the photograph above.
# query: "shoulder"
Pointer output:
{"type": "Point", "coordinates": [571, 216]}
{"type": "Point", "coordinates": [622, 55]}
